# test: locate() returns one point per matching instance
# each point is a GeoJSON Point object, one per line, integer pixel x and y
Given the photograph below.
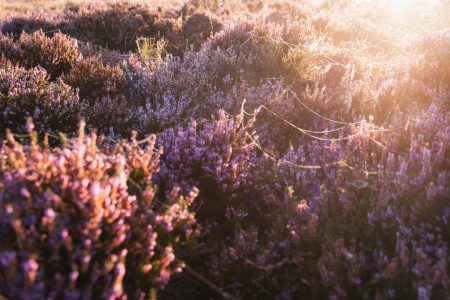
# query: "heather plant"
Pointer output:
{"type": "Point", "coordinates": [195, 87]}
{"type": "Point", "coordinates": [432, 68]}
{"type": "Point", "coordinates": [292, 53]}
{"type": "Point", "coordinates": [234, 65]}
{"type": "Point", "coordinates": [268, 47]}
{"type": "Point", "coordinates": [117, 26]}
{"type": "Point", "coordinates": [212, 155]}
{"type": "Point", "coordinates": [206, 4]}
{"type": "Point", "coordinates": [29, 93]}
{"type": "Point", "coordinates": [199, 27]}
{"type": "Point", "coordinates": [30, 23]}
{"type": "Point", "coordinates": [95, 79]}
{"type": "Point", "coordinates": [284, 11]}
{"type": "Point", "coordinates": [301, 69]}
{"type": "Point", "coordinates": [344, 220]}
{"type": "Point", "coordinates": [56, 105]}
{"type": "Point", "coordinates": [393, 161]}
{"type": "Point", "coordinates": [83, 221]}
{"type": "Point", "coordinates": [57, 55]}
{"type": "Point", "coordinates": [422, 77]}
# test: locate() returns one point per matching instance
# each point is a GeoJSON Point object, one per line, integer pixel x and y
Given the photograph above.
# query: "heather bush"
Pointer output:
{"type": "Point", "coordinates": [114, 116]}
{"type": "Point", "coordinates": [83, 221]}
{"type": "Point", "coordinates": [199, 27]}
{"type": "Point", "coordinates": [95, 79]}
{"type": "Point", "coordinates": [296, 68]}
{"type": "Point", "coordinates": [117, 26]}
{"type": "Point", "coordinates": [283, 11]}
{"type": "Point", "coordinates": [348, 224]}
{"type": "Point", "coordinates": [96, 83]}
{"type": "Point", "coordinates": [234, 65]}
{"type": "Point", "coordinates": [57, 55]}
{"type": "Point", "coordinates": [432, 67]}
{"type": "Point", "coordinates": [212, 155]}
{"type": "Point", "coordinates": [271, 51]}
{"type": "Point", "coordinates": [422, 77]}
{"type": "Point", "coordinates": [30, 23]}
{"type": "Point", "coordinates": [210, 5]}
{"type": "Point", "coordinates": [77, 87]}
{"type": "Point", "coordinates": [196, 87]}
{"type": "Point", "coordinates": [29, 93]}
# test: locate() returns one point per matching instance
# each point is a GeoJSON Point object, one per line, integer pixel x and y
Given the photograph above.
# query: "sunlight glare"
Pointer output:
{"type": "Point", "coordinates": [397, 6]}
{"type": "Point", "coordinates": [401, 6]}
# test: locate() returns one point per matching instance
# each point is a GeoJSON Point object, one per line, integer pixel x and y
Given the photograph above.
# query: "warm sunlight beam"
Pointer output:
{"type": "Point", "coordinates": [394, 5]}
{"type": "Point", "coordinates": [401, 6]}
{"type": "Point", "coordinates": [403, 15]}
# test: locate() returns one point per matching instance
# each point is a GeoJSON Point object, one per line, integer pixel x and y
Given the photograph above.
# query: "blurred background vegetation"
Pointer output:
{"type": "Point", "coordinates": [8, 7]}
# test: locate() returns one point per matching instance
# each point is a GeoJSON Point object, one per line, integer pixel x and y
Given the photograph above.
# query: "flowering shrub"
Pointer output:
{"type": "Point", "coordinates": [57, 55]}
{"type": "Point", "coordinates": [198, 28]}
{"type": "Point", "coordinates": [82, 220]}
{"type": "Point", "coordinates": [213, 157]}
{"type": "Point", "coordinates": [56, 106]}
{"type": "Point", "coordinates": [269, 50]}
{"type": "Point", "coordinates": [245, 62]}
{"type": "Point", "coordinates": [94, 79]}
{"type": "Point", "coordinates": [17, 24]}
{"type": "Point", "coordinates": [316, 146]}
{"type": "Point", "coordinates": [117, 26]}
{"type": "Point", "coordinates": [195, 87]}
{"type": "Point", "coordinates": [112, 26]}
{"type": "Point", "coordinates": [28, 93]}
{"type": "Point", "coordinates": [352, 226]}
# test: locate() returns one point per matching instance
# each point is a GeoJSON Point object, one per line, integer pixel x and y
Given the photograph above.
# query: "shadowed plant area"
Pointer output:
{"type": "Point", "coordinates": [225, 149]}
